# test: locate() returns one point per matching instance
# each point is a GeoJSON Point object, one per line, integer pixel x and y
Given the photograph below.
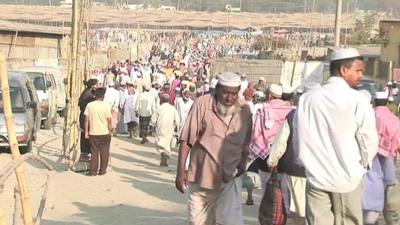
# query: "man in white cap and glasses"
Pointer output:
{"type": "Point", "coordinates": [217, 134]}
{"type": "Point", "coordinates": [337, 140]}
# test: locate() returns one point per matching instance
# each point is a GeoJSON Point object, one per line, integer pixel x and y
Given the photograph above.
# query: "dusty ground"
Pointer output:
{"type": "Point", "coordinates": [134, 191]}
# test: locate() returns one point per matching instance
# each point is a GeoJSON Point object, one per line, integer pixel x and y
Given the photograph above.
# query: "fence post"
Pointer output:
{"type": "Point", "coordinates": [8, 116]}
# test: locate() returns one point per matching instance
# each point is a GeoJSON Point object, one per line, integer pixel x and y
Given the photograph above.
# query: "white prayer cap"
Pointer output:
{"type": "Point", "coordinates": [381, 95]}
{"type": "Point", "coordinates": [229, 79]}
{"type": "Point", "coordinates": [111, 83]}
{"type": "Point", "coordinates": [344, 53]}
{"type": "Point", "coordinates": [178, 73]}
{"type": "Point", "coordinates": [299, 91]}
{"type": "Point", "coordinates": [275, 90]}
{"type": "Point", "coordinates": [259, 94]}
{"type": "Point", "coordinates": [286, 89]}
{"type": "Point", "coordinates": [214, 83]}
{"type": "Point", "coordinates": [262, 78]}
{"type": "Point", "coordinates": [154, 82]}
{"type": "Point", "coordinates": [390, 83]}
{"type": "Point", "coordinates": [391, 99]}
{"type": "Point", "coordinates": [243, 75]}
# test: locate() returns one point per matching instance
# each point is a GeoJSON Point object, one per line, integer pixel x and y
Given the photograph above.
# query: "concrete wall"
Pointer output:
{"type": "Point", "coordinates": [271, 70]}
{"type": "Point", "coordinates": [24, 49]}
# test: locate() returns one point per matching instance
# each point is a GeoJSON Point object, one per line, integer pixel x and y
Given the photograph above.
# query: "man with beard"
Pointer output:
{"type": "Point", "coordinates": [86, 97]}
{"type": "Point", "coordinates": [217, 135]}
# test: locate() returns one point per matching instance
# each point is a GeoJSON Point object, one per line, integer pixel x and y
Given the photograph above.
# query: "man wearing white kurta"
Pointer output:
{"type": "Point", "coordinates": [337, 140]}
{"type": "Point", "coordinates": [165, 119]}
{"type": "Point", "coordinates": [183, 106]}
{"type": "Point", "coordinates": [130, 117]}
{"type": "Point", "coordinates": [112, 97]}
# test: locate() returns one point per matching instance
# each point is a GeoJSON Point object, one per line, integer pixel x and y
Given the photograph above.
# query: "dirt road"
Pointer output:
{"type": "Point", "coordinates": [134, 191]}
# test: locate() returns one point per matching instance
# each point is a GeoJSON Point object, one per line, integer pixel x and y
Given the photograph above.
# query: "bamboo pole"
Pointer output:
{"type": "Point", "coordinates": [17, 207]}
{"type": "Point", "coordinates": [74, 85]}
{"type": "Point", "coordinates": [20, 173]}
{"type": "Point", "coordinates": [88, 38]}
{"type": "Point", "coordinates": [390, 72]}
{"type": "Point", "coordinates": [2, 218]}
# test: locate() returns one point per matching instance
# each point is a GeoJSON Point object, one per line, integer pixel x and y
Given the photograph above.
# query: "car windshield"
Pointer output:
{"type": "Point", "coordinates": [38, 80]}
{"type": "Point", "coordinates": [17, 101]}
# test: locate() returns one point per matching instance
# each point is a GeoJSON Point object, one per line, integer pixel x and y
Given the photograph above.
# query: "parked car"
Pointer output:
{"type": "Point", "coordinates": [26, 111]}
{"type": "Point", "coordinates": [50, 87]}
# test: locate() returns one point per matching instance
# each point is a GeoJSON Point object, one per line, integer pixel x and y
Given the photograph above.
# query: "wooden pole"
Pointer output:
{"type": "Point", "coordinates": [2, 218]}
{"type": "Point", "coordinates": [71, 124]}
{"type": "Point", "coordinates": [313, 6]}
{"type": "Point", "coordinates": [338, 21]}
{"type": "Point", "coordinates": [20, 173]}
{"type": "Point", "coordinates": [390, 72]}
{"type": "Point", "coordinates": [75, 91]}
{"type": "Point", "coordinates": [88, 40]}
{"type": "Point", "coordinates": [17, 207]}
{"type": "Point", "coordinates": [72, 56]}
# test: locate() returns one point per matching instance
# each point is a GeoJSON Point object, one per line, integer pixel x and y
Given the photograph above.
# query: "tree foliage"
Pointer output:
{"type": "Point", "coordinates": [363, 31]}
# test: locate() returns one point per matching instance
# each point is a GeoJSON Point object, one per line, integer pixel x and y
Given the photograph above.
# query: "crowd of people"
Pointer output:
{"type": "Point", "coordinates": [223, 44]}
{"type": "Point", "coordinates": [332, 146]}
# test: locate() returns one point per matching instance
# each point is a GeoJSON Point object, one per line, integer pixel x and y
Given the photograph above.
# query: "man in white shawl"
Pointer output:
{"type": "Point", "coordinates": [166, 120]}
{"type": "Point", "coordinates": [130, 117]}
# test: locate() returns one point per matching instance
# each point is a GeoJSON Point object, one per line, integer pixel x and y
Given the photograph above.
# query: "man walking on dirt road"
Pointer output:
{"type": "Point", "coordinates": [217, 134]}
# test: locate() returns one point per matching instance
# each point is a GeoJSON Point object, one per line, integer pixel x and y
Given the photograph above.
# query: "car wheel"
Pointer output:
{"type": "Point", "coordinates": [26, 149]}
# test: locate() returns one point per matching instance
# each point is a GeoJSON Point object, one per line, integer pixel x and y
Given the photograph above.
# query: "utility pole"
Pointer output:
{"type": "Point", "coordinates": [313, 6]}
{"type": "Point", "coordinates": [338, 21]}
{"type": "Point", "coordinates": [74, 83]}
{"type": "Point", "coordinates": [347, 17]}
{"type": "Point", "coordinates": [305, 6]}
